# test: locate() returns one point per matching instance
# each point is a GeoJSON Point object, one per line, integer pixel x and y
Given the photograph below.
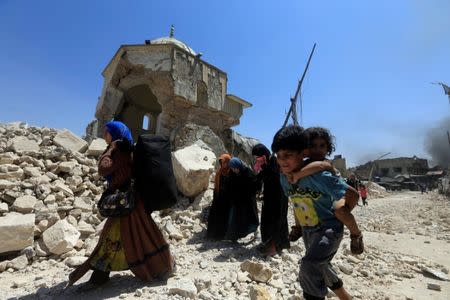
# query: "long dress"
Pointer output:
{"type": "Point", "coordinates": [243, 218]}
{"type": "Point", "coordinates": [220, 210]}
{"type": "Point", "coordinates": [129, 242]}
{"type": "Point", "coordinates": [274, 225]}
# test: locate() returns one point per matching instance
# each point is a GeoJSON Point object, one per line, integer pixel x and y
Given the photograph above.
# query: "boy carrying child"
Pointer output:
{"type": "Point", "coordinates": [314, 198]}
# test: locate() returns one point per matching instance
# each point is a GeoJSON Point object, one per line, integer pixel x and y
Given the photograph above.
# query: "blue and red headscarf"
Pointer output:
{"type": "Point", "coordinates": [119, 131]}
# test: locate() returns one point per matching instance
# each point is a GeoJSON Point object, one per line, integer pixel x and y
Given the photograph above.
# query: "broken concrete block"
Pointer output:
{"type": "Point", "coordinates": [24, 204]}
{"type": "Point", "coordinates": [70, 141]}
{"type": "Point", "coordinates": [7, 185]}
{"type": "Point", "coordinates": [96, 147]}
{"type": "Point", "coordinates": [16, 231]}
{"type": "Point", "coordinates": [258, 272]}
{"type": "Point", "coordinates": [22, 144]}
{"type": "Point", "coordinates": [7, 158]}
{"type": "Point", "coordinates": [183, 287]}
{"type": "Point", "coordinates": [192, 167]}
{"type": "Point", "coordinates": [61, 237]}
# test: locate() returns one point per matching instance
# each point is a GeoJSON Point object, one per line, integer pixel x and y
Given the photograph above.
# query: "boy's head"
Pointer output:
{"type": "Point", "coordinates": [291, 146]}
{"type": "Point", "coordinates": [321, 142]}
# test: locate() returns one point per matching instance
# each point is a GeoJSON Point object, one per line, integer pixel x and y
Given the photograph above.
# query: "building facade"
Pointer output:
{"type": "Point", "coordinates": [161, 85]}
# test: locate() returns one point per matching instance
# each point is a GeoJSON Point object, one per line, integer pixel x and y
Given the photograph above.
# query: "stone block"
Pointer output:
{"type": "Point", "coordinates": [16, 231]}
{"type": "Point", "coordinates": [22, 144]}
{"type": "Point", "coordinates": [70, 141]}
{"type": "Point", "coordinates": [192, 167]}
{"type": "Point", "coordinates": [24, 204]}
{"type": "Point", "coordinates": [96, 147]}
{"type": "Point", "coordinates": [61, 237]}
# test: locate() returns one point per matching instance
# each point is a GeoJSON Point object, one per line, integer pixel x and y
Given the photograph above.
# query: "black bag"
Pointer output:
{"type": "Point", "coordinates": [117, 203]}
{"type": "Point", "coordinates": [153, 172]}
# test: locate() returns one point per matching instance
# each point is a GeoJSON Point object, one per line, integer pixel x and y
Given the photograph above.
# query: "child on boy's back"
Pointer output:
{"type": "Point", "coordinates": [321, 145]}
{"type": "Point", "coordinates": [313, 198]}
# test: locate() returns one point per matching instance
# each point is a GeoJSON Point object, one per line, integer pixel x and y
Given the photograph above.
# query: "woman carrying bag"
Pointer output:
{"type": "Point", "coordinates": [130, 240]}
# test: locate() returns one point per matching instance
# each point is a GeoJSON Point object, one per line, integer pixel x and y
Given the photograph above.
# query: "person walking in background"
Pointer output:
{"type": "Point", "coordinates": [363, 193]}
{"type": "Point", "coordinates": [221, 204]}
{"type": "Point", "coordinates": [243, 218]}
{"type": "Point", "coordinates": [132, 241]}
{"type": "Point", "coordinates": [274, 225]}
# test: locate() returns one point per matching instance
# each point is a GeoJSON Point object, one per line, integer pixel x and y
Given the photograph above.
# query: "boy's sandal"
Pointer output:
{"type": "Point", "coordinates": [357, 244]}
{"type": "Point", "coordinates": [295, 234]}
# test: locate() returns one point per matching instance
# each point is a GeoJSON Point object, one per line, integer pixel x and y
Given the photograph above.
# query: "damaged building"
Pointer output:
{"type": "Point", "coordinates": [400, 173]}
{"type": "Point", "coordinates": [391, 167]}
{"type": "Point", "coordinates": [159, 86]}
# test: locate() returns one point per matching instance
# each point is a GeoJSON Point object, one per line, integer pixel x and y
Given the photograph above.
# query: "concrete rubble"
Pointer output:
{"type": "Point", "coordinates": [49, 224]}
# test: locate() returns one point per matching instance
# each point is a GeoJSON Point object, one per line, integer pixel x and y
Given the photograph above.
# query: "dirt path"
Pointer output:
{"type": "Point", "coordinates": [403, 233]}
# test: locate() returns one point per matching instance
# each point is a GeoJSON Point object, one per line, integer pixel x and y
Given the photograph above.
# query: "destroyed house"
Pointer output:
{"type": "Point", "coordinates": [161, 85]}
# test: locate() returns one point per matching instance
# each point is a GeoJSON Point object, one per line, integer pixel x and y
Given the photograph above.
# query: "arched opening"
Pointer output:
{"type": "Point", "coordinates": [146, 122]}
{"type": "Point", "coordinates": [140, 110]}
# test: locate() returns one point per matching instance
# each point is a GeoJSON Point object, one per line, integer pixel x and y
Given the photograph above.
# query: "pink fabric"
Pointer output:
{"type": "Point", "coordinates": [260, 161]}
{"type": "Point", "coordinates": [363, 192]}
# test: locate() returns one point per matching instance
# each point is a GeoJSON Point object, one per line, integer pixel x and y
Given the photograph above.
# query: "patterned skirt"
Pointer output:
{"type": "Point", "coordinates": [130, 242]}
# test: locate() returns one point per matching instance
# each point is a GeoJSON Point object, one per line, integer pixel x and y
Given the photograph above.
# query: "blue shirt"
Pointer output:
{"type": "Point", "coordinates": [313, 198]}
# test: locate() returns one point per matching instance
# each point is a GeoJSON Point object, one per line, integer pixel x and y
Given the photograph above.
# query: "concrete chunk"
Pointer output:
{"type": "Point", "coordinates": [24, 204]}
{"type": "Point", "coordinates": [61, 237]}
{"type": "Point", "coordinates": [22, 144]}
{"type": "Point", "coordinates": [192, 167]}
{"type": "Point", "coordinates": [70, 141]}
{"type": "Point", "coordinates": [96, 147]}
{"type": "Point", "coordinates": [16, 231]}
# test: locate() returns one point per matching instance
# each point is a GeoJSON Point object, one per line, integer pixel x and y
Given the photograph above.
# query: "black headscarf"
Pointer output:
{"type": "Point", "coordinates": [261, 150]}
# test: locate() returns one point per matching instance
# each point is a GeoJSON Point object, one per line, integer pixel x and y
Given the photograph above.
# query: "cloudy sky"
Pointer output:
{"type": "Point", "coordinates": [369, 80]}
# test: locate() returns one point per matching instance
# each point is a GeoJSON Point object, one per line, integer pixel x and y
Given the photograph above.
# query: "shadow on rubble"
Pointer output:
{"type": "Point", "coordinates": [238, 252]}
{"type": "Point", "coordinates": [116, 286]}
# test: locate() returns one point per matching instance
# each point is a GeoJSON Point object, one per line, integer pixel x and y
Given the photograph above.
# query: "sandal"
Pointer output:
{"type": "Point", "coordinates": [99, 277]}
{"type": "Point", "coordinates": [270, 250]}
{"type": "Point", "coordinates": [357, 244]}
{"type": "Point", "coordinates": [296, 233]}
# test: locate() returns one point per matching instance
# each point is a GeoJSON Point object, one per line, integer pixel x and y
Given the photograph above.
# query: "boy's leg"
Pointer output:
{"type": "Point", "coordinates": [315, 273]}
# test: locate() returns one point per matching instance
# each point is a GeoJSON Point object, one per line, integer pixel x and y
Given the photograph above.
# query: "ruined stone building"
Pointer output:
{"type": "Point", "coordinates": [161, 85]}
{"type": "Point", "coordinates": [340, 164]}
{"type": "Point", "coordinates": [392, 167]}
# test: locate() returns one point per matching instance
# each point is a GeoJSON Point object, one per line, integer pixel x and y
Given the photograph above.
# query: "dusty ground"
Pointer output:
{"type": "Point", "coordinates": [403, 233]}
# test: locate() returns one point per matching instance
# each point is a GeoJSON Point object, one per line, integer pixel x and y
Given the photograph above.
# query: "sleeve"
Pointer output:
{"type": "Point", "coordinates": [284, 184]}
{"type": "Point", "coordinates": [333, 185]}
{"type": "Point", "coordinates": [106, 163]}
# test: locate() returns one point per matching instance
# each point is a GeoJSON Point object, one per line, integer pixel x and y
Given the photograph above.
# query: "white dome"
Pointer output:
{"type": "Point", "coordinates": [174, 41]}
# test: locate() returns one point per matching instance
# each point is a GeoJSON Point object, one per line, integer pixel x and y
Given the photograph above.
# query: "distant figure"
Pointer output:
{"type": "Point", "coordinates": [243, 218]}
{"type": "Point", "coordinates": [363, 193]}
{"type": "Point", "coordinates": [423, 187]}
{"type": "Point", "coordinates": [221, 204]}
{"type": "Point", "coordinates": [353, 181]}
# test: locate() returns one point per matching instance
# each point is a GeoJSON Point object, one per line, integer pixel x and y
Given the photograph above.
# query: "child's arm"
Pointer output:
{"type": "Point", "coordinates": [310, 169]}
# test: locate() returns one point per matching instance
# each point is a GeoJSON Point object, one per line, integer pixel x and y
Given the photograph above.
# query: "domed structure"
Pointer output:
{"type": "Point", "coordinates": [173, 41]}
{"type": "Point", "coordinates": [158, 86]}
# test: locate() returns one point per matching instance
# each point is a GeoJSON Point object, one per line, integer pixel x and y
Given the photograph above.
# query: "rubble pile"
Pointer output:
{"type": "Point", "coordinates": [377, 191]}
{"type": "Point", "coordinates": [49, 224]}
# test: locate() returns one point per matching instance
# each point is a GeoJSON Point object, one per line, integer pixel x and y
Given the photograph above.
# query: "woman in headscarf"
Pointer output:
{"type": "Point", "coordinates": [221, 205]}
{"type": "Point", "coordinates": [243, 218]}
{"type": "Point", "coordinates": [127, 242]}
{"type": "Point", "coordinates": [274, 225]}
